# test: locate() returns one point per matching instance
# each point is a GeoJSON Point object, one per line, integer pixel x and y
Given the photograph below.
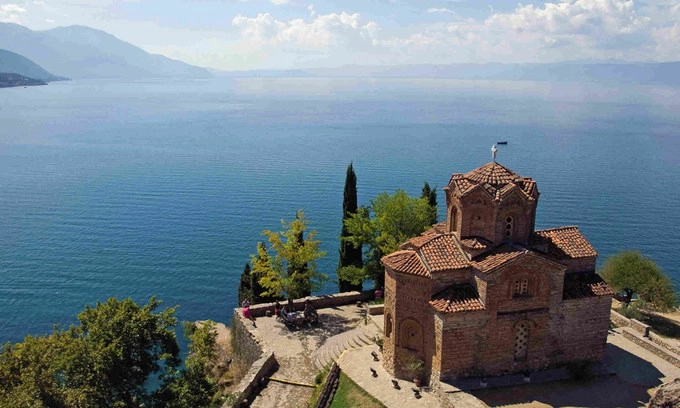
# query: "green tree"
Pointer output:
{"type": "Point", "coordinates": [105, 361]}
{"type": "Point", "coordinates": [350, 255]}
{"type": "Point", "coordinates": [245, 286]}
{"type": "Point", "coordinates": [261, 262]}
{"type": "Point", "coordinates": [431, 196]}
{"type": "Point", "coordinates": [633, 273]}
{"type": "Point", "coordinates": [389, 221]}
{"type": "Point", "coordinates": [291, 272]}
{"type": "Point", "coordinates": [194, 386]}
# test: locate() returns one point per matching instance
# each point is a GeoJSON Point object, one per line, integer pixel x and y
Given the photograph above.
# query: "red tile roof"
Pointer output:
{"type": "Point", "coordinates": [494, 178]}
{"type": "Point", "coordinates": [562, 243]}
{"type": "Point", "coordinates": [475, 243]}
{"type": "Point", "coordinates": [491, 260]}
{"type": "Point", "coordinates": [438, 250]}
{"type": "Point", "coordinates": [582, 285]}
{"type": "Point", "coordinates": [457, 298]}
{"type": "Point", "coordinates": [406, 261]}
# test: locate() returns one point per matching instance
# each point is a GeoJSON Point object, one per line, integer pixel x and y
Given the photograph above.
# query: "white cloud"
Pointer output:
{"type": "Point", "coordinates": [320, 32]}
{"type": "Point", "coordinates": [594, 24]}
{"type": "Point", "coordinates": [433, 10]}
{"type": "Point", "coordinates": [279, 2]}
{"type": "Point", "coordinates": [11, 13]}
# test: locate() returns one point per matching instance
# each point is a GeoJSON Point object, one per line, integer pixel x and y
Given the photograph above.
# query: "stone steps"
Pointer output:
{"type": "Point", "coordinates": [334, 346]}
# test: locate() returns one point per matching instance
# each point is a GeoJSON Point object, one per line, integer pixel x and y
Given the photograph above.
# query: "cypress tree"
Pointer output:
{"type": "Point", "coordinates": [431, 196]}
{"type": "Point", "coordinates": [349, 255]}
{"type": "Point", "coordinates": [245, 287]}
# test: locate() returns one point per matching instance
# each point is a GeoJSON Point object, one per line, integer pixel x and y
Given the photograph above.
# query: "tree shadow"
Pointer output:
{"type": "Point", "coordinates": [628, 388]}
{"type": "Point", "coordinates": [328, 325]}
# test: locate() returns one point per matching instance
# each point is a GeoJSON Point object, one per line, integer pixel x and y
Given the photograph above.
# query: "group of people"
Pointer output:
{"type": "Point", "coordinates": [286, 313]}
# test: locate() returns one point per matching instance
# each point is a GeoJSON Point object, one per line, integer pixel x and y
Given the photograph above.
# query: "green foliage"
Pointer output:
{"type": "Point", "coordinates": [431, 196]}
{"type": "Point", "coordinates": [350, 255]}
{"type": "Point", "coordinates": [194, 386]}
{"type": "Point", "coordinates": [292, 270]}
{"type": "Point", "coordinates": [389, 221]}
{"type": "Point", "coordinates": [245, 286]}
{"type": "Point", "coordinates": [633, 273]}
{"type": "Point", "coordinates": [104, 361]}
{"type": "Point", "coordinates": [632, 311]}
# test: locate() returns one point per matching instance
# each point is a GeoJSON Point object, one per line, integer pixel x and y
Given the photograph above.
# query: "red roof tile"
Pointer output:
{"type": "Point", "coordinates": [582, 285]}
{"type": "Point", "coordinates": [441, 253]}
{"type": "Point", "coordinates": [457, 298]}
{"type": "Point", "coordinates": [562, 243]}
{"type": "Point", "coordinates": [496, 179]}
{"type": "Point", "coordinates": [406, 261]}
{"type": "Point", "coordinates": [475, 243]}
{"type": "Point", "coordinates": [493, 259]}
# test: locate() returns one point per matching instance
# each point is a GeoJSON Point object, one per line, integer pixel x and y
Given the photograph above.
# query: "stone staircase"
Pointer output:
{"type": "Point", "coordinates": [333, 347]}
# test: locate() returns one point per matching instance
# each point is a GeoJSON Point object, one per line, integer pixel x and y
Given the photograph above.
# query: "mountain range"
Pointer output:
{"type": "Point", "coordinates": [80, 52]}
{"type": "Point", "coordinates": [13, 63]}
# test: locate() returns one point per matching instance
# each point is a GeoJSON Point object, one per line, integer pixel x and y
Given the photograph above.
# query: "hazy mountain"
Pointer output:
{"type": "Point", "coordinates": [14, 63]}
{"type": "Point", "coordinates": [10, 79]}
{"type": "Point", "coordinates": [83, 52]}
{"type": "Point", "coordinates": [576, 71]}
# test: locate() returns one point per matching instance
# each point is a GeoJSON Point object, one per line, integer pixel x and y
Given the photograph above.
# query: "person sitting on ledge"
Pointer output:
{"type": "Point", "coordinates": [277, 309]}
{"type": "Point", "coordinates": [245, 305]}
{"type": "Point", "coordinates": [311, 315]}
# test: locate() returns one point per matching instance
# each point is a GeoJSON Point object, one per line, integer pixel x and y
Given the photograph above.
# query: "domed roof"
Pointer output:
{"type": "Point", "coordinates": [495, 178]}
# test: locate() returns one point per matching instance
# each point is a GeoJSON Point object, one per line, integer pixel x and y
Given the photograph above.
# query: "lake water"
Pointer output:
{"type": "Point", "coordinates": [135, 189]}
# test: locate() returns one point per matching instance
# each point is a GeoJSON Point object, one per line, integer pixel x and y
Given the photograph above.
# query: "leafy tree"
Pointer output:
{"type": "Point", "coordinates": [261, 262]}
{"type": "Point", "coordinates": [105, 361]}
{"type": "Point", "coordinates": [292, 270]}
{"type": "Point", "coordinates": [350, 255]}
{"type": "Point", "coordinates": [195, 386]}
{"type": "Point", "coordinates": [387, 223]}
{"type": "Point", "coordinates": [633, 273]}
{"type": "Point", "coordinates": [245, 286]}
{"type": "Point", "coordinates": [431, 196]}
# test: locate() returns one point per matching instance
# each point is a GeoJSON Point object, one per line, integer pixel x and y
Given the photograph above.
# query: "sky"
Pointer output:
{"type": "Point", "coordinates": [290, 34]}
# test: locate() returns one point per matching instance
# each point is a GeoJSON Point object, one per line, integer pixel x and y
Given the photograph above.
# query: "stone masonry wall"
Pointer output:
{"type": "Point", "coordinates": [247, 348]}
{"type": "Point", "coordinates": [582, 329]}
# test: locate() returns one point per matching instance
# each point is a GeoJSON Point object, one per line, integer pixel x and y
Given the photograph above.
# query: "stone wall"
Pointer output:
{"type": "Point", "coordinates": [581, 329]}
{"type": "Point", "coordinates": [651, 346]}
{"type": "Point", "coordinates": [319, 302]}
{"type": "Point", "coordinates": [247, 348]}
{"type": "Point", "coordinates": [644, 330]}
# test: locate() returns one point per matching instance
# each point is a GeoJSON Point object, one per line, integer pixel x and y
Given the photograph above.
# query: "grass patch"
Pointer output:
{"type": "Point", "coordinates": [319, 380]}
{"type": "Point", "coordinates": [377, 302]}
{"type": "Point", "coordinates": [350, 395]}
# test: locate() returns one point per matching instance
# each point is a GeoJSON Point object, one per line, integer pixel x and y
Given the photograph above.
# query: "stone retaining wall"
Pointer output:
{"type": "Point", "coordinates": [645, 331]}
{"type": "Point", "coordinates": [650, 346]}
{"type": "Point", "coordinates": [319, 302]}
{"type": "Point", "coordinates": [376, 309]}
{"type": "Point", "coordinates": [245, 389]}
{"type": "Point", "coordinates": [246, 347]}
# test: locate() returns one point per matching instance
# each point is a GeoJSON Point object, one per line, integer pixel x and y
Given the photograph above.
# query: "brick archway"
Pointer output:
{"type": "Point", "coordinates": [411, 335]}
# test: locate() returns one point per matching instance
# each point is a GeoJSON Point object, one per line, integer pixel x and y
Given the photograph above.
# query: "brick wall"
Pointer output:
{"type": "Point", "coordinates": [581, 329]}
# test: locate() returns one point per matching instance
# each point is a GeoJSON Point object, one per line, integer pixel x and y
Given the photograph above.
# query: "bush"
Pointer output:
{"type": "Point", "coordinates": [580, 371]}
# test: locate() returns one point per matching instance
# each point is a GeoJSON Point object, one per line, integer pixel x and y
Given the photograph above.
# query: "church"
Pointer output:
{"type": "Point", "coordinates": [485, 293]}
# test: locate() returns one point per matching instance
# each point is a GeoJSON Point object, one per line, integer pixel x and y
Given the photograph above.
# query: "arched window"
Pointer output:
{"type": "Point", "coordinates": [388, 324]}
{"type": "Point", "coordinates": [521, 340]}
{"type": "Point", "coordinates": [411, 335]}
{"type": "Point", "coordinates": [520, 287]}
{"type": "Point", "coordinates": [454, 218]}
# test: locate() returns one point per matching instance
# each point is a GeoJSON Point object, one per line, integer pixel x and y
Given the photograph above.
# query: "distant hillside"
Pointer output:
{"type": "Point", "coordinates": [8, 80]}
{"type": "Point", "coordinates": [82, 52]}
{"type": "Point", "coordinates": [11, 62]}
{"type": "Point", "coordinates": [617, 72]}
{"type": "Point", "coordinates": [600, 72]}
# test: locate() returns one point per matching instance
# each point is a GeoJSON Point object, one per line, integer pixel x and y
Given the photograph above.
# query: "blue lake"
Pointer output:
{"type": "Point", "coordinates": [162, 188]}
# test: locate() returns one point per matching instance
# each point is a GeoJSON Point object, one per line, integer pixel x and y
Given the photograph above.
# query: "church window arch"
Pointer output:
{"type": "Point", "coordinates": [411, 335]}
{"type": "Point", "coordinates": [522, 331]}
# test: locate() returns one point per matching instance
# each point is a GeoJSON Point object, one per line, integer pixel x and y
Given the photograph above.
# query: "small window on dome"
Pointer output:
{"type": "Point", "coordinates": [508, 227]}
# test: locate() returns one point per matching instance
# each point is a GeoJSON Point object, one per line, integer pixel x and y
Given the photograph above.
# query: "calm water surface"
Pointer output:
{"type": "Point", "coordinates": [134, 189]}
